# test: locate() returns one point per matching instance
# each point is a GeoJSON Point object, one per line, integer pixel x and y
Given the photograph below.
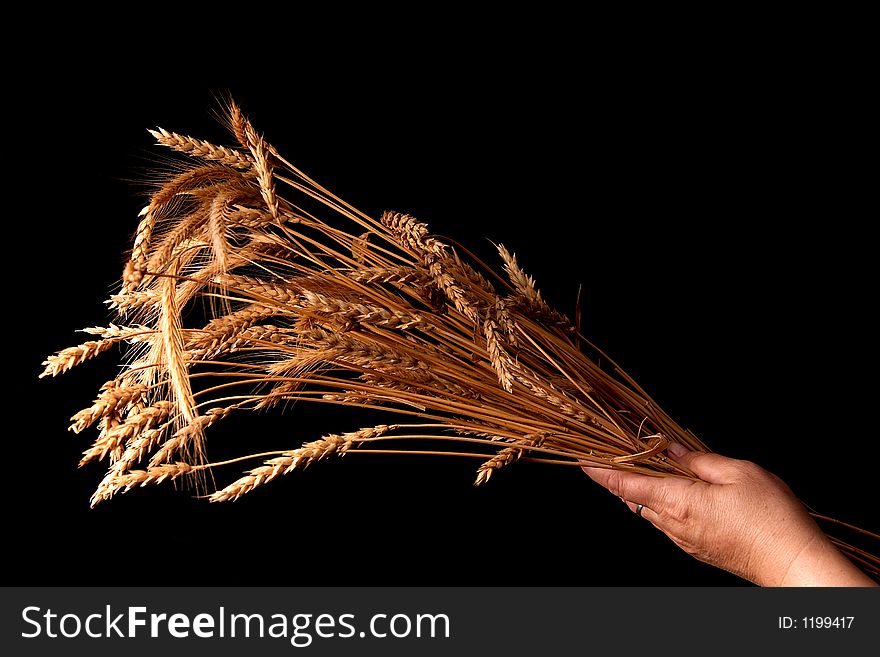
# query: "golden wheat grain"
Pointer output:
{"type": "Point", "coordinates": [237, 122]}
{"type": "Point", "coordinates": [112, 439]}
{"type": "Point", "coordinates": [114, 396]}
{"type": "Point", "coordinates": [217, 229]}
{"type": "Point", "coordinates": [350, 311]}
{"type": "Point", "coordinates": [507, 456]}
{"type": "Point", "coordinates": [136, 449]}
{"type": "Point", "coordinates": [413, 235]}
{"type": "Point", "coordinates": [221, 333]}
{"type": "Point", "coordinates": [365, 353]}
{"type": "Point", "coordinates": [70, 357]}
{"type": "Point", "coordinates": [160, 200]}
{"type": "Point", "coordinates": [201, 149]}
{"type": "Point", "coordinates": [260, 152]}
{"type": "Point", "coordinates": [153, 475]}
{"type": "Point", "coordinates": [527, 296]}
{"type": "Point", "coordinates": [299, 458]}
{"type": "Point", "coordinates": [194, 430]}
{"type": "Point", "coordinates": [126, 302]}
{"type": "Point", "coordinates": [258, 289]}
{"type": "Point", "coordinates": [499, 357]}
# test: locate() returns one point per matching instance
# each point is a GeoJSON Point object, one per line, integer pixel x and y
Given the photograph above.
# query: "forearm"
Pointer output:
{"type": "Point", "coordinates": [819, 564]}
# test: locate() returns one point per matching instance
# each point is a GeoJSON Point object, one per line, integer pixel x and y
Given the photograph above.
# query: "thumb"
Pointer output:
{"type": "Point", "coordinates": [712, 468]}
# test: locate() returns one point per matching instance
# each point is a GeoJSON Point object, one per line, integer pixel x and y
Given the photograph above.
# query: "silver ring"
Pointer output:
{"type": "Point", "coordinates": [639, 509]}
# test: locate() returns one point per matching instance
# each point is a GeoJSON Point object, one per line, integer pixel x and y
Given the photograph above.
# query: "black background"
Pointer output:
{"type": "Point", "coordinates": [709, 205]}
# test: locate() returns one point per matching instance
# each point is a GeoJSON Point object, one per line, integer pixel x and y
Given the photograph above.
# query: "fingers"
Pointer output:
{"type": "Point", "coordinates": [660, 495]}
{"type": "Point", "coordinates": [647, 513]}
{"type": "Point", "coordinates": [631, 487]}
{"type": "Point", "coordinates": [712, 468]}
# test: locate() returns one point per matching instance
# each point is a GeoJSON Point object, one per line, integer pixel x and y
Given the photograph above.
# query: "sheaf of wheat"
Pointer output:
{"type": "Point", "coordinates": [309, 299]}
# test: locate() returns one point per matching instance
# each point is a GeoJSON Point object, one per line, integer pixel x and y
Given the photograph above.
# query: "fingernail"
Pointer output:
{"type": "Point", "coordinates": [677, 450]}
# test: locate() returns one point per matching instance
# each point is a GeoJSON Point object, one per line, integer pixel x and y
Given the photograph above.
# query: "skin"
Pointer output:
{"type": "Point", "coordinates": [739, 517]}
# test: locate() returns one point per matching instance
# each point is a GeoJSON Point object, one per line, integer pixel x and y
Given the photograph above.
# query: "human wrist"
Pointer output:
{"type": "Point", "coordinates": [819, 563]}
{"type": "Point", "coordinates": [779, 558]}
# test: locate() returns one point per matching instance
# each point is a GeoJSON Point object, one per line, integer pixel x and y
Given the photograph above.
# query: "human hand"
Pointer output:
{"type": "Point", "coordinates": [739, 517]}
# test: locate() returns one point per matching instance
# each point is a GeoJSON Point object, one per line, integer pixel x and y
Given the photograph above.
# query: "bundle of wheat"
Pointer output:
{"type": "Point", "coordinates": [313, 300]}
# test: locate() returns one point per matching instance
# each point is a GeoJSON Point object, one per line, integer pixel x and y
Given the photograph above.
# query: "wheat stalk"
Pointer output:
{"type": "Point", "coordinates": [302, 457]}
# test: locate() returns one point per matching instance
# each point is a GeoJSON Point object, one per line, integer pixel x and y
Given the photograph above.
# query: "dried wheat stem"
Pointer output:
{"type": "Point", "coordinates": [280, 392]}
